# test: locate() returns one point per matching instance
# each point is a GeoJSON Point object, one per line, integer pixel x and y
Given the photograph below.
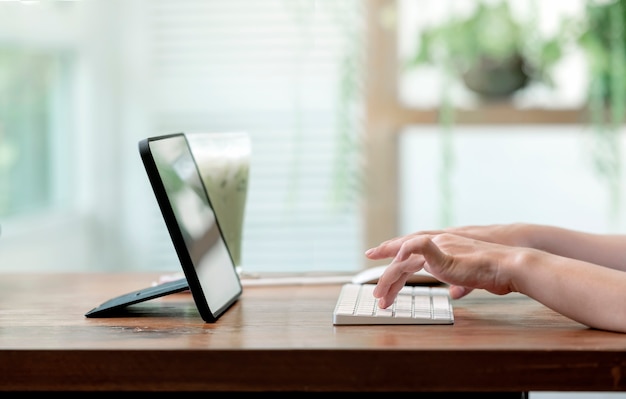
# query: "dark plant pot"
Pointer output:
{"type": "Point", "coordinates": [496, 79]}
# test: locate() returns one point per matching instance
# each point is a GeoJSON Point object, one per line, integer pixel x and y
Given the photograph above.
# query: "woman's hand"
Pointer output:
{"type": "Point", "coordinates": [464, 263]}
{"type": "Point", "coordinates": [580, 275]}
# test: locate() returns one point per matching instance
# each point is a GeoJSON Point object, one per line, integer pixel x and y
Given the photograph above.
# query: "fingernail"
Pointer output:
{"type": "Point", "coordinates": [369, 251]}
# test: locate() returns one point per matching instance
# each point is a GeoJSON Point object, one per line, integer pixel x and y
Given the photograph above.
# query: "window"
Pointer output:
{"type": "Point", "coordinates": [285, 72]}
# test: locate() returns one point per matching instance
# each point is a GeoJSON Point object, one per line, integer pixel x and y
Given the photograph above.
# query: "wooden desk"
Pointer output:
{"type": "Point", "coordinates": [283, 339]}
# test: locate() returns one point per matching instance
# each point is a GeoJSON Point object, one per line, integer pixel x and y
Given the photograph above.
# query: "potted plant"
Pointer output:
{"type": "Point", "coordinates": [494, 54]}
{"type": "Point", "coordinates": [489, 50]}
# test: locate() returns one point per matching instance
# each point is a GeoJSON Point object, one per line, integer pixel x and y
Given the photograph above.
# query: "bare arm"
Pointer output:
{"type": "Point", "coordinates": [601, 249]}
{"type": "Point", "coordinates": [590, 294]}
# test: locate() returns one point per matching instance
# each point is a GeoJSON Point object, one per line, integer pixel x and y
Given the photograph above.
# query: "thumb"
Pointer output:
{"type": "Point", "coordinates": [458, 291]}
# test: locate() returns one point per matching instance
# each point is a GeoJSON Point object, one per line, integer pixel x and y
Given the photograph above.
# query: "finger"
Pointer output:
{"type": "Point", "coordinates": [374, 253]}
{"type": "Point", "coordinates": [426, 247]}
{"type": "Point", "coordinates": [458, 291]}
{"type": "Point", "coordinates": [394, 279]}
{"type": "Point", "coordinates": [397, 271]}
{"type": "Point", "coordinates": [384, 250]}
{"type": "Point", "coordinates": [379, 253]}
{"type": "Point", "coordinates": [386, 300]}
{"type": "Point", "coordinates": [403, 265]}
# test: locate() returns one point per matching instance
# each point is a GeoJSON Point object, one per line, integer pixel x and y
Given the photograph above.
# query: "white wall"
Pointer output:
{"type": "Point", "coordinates": [503, 174]}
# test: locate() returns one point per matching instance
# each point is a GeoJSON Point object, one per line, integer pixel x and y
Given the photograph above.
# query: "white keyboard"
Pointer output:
{"type": "Point", "coordinates": [413, 305]}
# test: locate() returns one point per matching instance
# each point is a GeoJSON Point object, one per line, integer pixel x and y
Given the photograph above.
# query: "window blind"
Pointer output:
{"type": "Point", "coordinates": [274, 70]}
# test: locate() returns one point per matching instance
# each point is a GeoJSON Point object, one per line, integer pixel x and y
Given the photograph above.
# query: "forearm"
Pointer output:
{"type": "Point", "coordinates": [584, 292]}
{"type": "Point", "coordinates": [600, 249]}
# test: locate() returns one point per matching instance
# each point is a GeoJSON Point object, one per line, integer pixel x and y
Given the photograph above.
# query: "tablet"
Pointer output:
{"type": "Point", "coordinates": [185, 205]}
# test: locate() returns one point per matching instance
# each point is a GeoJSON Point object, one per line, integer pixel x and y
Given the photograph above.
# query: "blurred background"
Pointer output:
{"type": "Point", "coordinates": [368, 119]}
{"type": "Point", "coordinates": [81, 82]}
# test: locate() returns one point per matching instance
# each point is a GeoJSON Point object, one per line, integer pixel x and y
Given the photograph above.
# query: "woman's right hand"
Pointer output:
{"type": "Point", "coordinates": [464, 263]}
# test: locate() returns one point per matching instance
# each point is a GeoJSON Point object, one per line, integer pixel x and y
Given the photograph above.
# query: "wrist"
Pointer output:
{"type": "Point", "coordinates": [526, 234]}
{"type": "Point", "coordinates": [519, 268]}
